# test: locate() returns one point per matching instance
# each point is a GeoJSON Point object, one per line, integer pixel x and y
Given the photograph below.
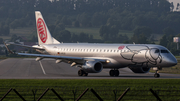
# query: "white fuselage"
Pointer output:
{"type": "Point", "coordinates": [120, 55]}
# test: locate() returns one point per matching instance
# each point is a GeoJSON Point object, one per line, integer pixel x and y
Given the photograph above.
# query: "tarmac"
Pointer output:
{"type": "Point", "coordinates": [28, 68]}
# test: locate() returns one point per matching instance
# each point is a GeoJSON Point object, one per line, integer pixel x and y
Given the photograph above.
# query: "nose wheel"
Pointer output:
{"type": "Point", "coordinates": [114, 72]}
{"type": "Point", "coordinates": [156, 75]}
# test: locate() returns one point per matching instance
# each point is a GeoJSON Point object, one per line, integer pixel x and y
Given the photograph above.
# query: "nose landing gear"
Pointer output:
{"type": "Point", "coordinates": [156, 75]}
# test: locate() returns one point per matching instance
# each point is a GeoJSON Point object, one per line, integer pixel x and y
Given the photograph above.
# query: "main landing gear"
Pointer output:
{"type": "Point", "coordinates": [114, 72]}
{"type": "Point", "coordinates": [82, 73]}
{"type": "Point", "coordinates": [156, 75]}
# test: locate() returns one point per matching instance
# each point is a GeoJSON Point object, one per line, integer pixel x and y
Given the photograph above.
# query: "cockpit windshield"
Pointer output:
{"type": "Point", "coordinates": [157, 51]}
{"type": "Point", "coordinates": [164, 51]}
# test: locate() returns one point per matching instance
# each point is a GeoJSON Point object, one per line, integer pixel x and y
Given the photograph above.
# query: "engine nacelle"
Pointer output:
{"type": "Point", "coordinates": [140, 69]}
{"type": "Point", "coordinates": [92, 67]}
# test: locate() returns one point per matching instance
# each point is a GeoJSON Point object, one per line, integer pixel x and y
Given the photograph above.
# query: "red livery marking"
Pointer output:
{"type": "Point", "coordinates": [121, 47]}
{"type": "Point", "coordinates": [42, 32]}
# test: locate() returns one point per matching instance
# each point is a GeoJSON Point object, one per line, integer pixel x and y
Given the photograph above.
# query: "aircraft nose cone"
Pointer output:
{"type": "Point", "coordinates": [172, 61]}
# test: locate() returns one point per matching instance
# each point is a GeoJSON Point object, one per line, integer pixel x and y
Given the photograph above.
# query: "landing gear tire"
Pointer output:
{"type": "Point", "coordinates": [156, 75]}
{"type": "Point", "coordinates": [111, 73]}
{"type": "Point", "coordinates": [85, 74]}
{"type": "Point", "coordinates": [82, 73]}
{"type": "Point", "coordinates": [114, 72]}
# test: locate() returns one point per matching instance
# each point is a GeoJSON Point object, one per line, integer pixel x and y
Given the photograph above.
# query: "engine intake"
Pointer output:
{"type": "Point", "coordinates": [92, 67]}
{"type": "Point", "coordinates": [140, 69]}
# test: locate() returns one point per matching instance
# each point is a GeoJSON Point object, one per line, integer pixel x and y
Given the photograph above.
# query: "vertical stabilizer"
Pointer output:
{"type": "Point", "coordinates": [44, 36]}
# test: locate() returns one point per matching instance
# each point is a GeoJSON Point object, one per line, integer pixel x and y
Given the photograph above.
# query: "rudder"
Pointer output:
{"type": "Point", "coordinates": [44, 36]}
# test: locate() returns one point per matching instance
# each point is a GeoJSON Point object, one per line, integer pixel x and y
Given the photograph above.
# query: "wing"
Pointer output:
{"type": "Point", "coordinates": [68, 59]}
{"type": "Point", "coordinates": [38, 48]}
{"type": "Point", "coordinates": [26, 46]}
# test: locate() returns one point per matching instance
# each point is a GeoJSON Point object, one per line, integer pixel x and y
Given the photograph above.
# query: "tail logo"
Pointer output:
{"type": "Point", "coordinates": [42, 32]}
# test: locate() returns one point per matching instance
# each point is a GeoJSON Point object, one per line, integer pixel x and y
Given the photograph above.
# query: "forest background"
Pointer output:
{"type": "Point", "coordinates": [107, 21]}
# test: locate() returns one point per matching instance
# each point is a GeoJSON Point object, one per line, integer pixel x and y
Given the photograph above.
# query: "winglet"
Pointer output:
{"type": "Point", "coordinates": [8, 48]}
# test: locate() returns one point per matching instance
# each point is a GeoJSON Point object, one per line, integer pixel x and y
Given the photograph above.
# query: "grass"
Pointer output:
{"type": "Point", "coordinates": [167, 89]}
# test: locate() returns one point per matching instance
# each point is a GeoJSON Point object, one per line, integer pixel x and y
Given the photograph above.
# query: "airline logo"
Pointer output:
{"type": "Point", "coordinates": [42, 32]}
{"type": "Point", "coordinates": [121, 47]}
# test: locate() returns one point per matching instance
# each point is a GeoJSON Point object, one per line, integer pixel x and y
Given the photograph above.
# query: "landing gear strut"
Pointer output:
{"type": "Point", "coordinates": [114, 72]}
{"type": "Point", "coordinates": [82, 73]}
{"type": "Point", "coordinates": [156, 75]}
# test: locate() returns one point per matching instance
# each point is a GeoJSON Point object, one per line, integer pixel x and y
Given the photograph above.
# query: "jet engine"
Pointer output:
{"type": "Point", "coordinates": [140, 69]}
{"type": "Point", "coordinates": [92, 67]}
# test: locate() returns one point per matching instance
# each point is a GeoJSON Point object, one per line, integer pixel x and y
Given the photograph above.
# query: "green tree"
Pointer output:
{"type": "Point", "coordinates": [143, 30]}
{"type": "Point", "coordinates": [97, 19]}
{"type": "Point", "coordinates": [64, 36]}
{"type": "Point", "coordinates": [58, 28]}
{"type": "Point", "coordinates": [168, 31]}
{"type": "Point", "coordinates": [75, 24]}
{"type": "Point", "coordinates": [139, 39]}
{"type": "Point", "coordinates": [65, 20]}
{"type": "Point", "coordinates": [109, 33]}
{"type": "Point", "coordinates": [84, 20]}
{"type": "Point", "coordinates": [14, 24]}
{"type": "Point", "coordinates": [1, 41]}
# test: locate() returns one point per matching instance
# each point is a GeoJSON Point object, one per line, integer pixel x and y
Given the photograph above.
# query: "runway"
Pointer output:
{"type": "Point", "coordinates": [28, 68]}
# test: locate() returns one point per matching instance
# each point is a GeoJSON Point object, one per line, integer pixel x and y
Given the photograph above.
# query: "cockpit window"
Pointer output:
{"type": "Point", "coordinates": [157, 51]}
{"type": "Point", "coordinates": [164, 51]}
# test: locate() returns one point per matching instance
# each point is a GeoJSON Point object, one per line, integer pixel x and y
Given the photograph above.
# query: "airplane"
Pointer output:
{"type": "Point", "coordinates": [94, 57]}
